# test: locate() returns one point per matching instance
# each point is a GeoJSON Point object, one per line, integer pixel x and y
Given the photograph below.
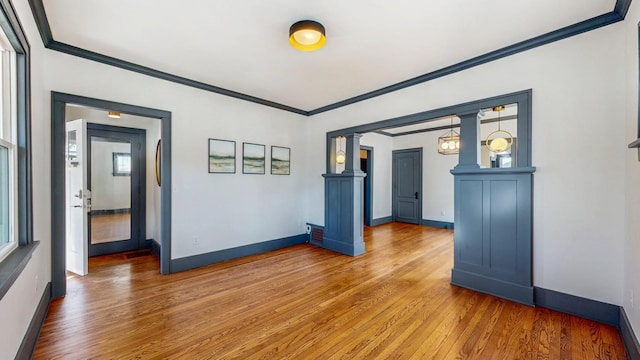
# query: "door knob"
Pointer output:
{"type": "Point", "coordinates": [416, 195]}
{"type": "Point", "coordinates": [79, 206]}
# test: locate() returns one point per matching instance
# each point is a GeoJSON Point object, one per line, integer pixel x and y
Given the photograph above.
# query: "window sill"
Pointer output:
{"type": "Point", "coordinates": [12, 266]}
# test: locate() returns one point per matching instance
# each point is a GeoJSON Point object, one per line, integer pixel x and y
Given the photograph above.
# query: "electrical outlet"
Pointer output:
{"type": "Point", "coordinates": [36, 288]}
{"type": "Point", "coordinates": [195, 240]}
{"type": "Point", "coordinates": [441, 212]}
{"type": "Point", "coordinates": [631, 298]}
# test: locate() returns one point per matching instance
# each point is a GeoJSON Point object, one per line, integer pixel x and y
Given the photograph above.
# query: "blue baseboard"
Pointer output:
{"type": "Point", "coordinates": [381, 221]}
{"type": "Point", "coordinates": [506, 290]}
{"type": "Point", "coordinates": [30, 339]}
{"type": "Point", "coordinates": [628, 337]}
{"type": "Point", "coordinates": [586, 308]}
{"type": "Point", "coordinates": [437, 224]}
{"type": "Point", "coordinates": [155, 247]}
{"type": "Point", "coordinates": [343, 247]}
{"type": "Point", "coordinates": [192, 262]}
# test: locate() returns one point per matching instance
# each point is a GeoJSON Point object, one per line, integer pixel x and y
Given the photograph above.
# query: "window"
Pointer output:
{"type": "Point", "coordinates": [16, 220]}
{"type": "Point", "coordinates": [8, 152]}
{"type": "Point", "coordinates": [121, 164]}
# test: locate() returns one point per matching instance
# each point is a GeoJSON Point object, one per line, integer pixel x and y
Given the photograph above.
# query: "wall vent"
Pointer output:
{"type": "Point", "coordinates": [316, 232]}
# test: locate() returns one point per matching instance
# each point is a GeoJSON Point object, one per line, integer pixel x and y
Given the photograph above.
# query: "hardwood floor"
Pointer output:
{"type": "Point", "coordinates": [304, 302]}
{"type": "Point", "coordinates": [110, 227]}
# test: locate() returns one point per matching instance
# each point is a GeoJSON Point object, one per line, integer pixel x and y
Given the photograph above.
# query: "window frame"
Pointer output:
{"type": "Point", "coordinates": [14, 263]}
{"type": "Point", "coordinates": [8, 135]}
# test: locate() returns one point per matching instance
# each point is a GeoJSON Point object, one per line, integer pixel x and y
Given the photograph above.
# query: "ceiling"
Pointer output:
{"type": "Point", "coordinates": [243, 46]}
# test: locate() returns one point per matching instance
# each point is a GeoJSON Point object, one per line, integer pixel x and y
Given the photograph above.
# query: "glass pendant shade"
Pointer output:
{"type": "Point", "coordinates": [341, 157]}
{"type": "Point", "coordinates": [499, 140]}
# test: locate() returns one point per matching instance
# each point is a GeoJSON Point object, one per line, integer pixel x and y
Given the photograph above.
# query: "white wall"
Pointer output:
{"type": "Point", "coordinates": [577, 102]}
{"type": "Point", "coordinates": [210, 212]}
{"type": "Point", "coordinates": [632, 185]}
{"type": "Point", "coordinates": [108, 192]}
{"type": "Point", "coordinates": [382, 147]}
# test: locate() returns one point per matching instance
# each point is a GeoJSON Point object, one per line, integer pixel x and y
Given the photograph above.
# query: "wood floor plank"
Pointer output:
{"type": "Point", "coordinates": [304, 302]}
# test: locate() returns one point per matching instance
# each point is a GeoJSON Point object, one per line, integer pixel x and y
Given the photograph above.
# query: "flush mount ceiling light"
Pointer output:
{"type": "Point", "coordinates": [114, 114]}
{"type": "Point", "coordinates": [499, 140]}
{"type": "Point", "coordinates": [307, 35]}
{"type": "Point", "coordinates": [449, 142]}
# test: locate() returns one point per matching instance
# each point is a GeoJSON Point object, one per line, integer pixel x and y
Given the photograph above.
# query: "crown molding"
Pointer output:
{"type": "Point", "coordinates": [618, 14]}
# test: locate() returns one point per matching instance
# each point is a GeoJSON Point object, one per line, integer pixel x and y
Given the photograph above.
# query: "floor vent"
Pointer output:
{"type": "Point", "coordinates": [131, 255]}
{"type": "Point", "coordinates": [316, 233]}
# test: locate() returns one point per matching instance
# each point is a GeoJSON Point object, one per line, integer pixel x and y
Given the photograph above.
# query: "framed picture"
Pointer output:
{"type": "Point", "coordinates": [222, 156]}
{"type": "Point", "coordinates": [280, 160]}
{"type": "Point", "coordinates": [252, 158]}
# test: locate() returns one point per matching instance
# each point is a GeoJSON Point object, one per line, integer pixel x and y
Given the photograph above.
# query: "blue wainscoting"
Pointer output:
{"type": "Point", "coordinates": [494, 233]}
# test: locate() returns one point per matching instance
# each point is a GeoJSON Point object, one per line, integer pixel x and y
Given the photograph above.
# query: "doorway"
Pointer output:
{"type": "Point", "coordinates": [407, 186]}
{"type": "Point", "coordinates": [116, 176]}
{"type": "Point", "coordinates": [366, 165]}
{"type": "Point", "coordinates": [59, 157]}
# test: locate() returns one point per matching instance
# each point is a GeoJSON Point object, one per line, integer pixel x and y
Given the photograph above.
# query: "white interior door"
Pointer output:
{"type": "Point", "coordinates": [78, 198]}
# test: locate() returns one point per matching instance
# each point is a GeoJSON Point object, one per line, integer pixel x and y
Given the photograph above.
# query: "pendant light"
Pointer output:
{"type": "Point", "coordinates": [341, 156]}
{"type": "Point", "coordinates": [449, 142]}
{"type": "Point", "coordinates": [499, 140]}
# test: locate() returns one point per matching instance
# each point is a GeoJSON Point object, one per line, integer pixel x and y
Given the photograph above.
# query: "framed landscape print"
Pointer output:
{"type": "Point", "coordinates": [252, 158]}
{"type": "Point", "coordinates": [280, 160]}
{"type": "Point", "coordinates": [222, 156]}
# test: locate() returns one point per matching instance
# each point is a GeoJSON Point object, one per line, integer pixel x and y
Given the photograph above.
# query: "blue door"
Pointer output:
{"type": "Point", "coordinates": [407, 186]}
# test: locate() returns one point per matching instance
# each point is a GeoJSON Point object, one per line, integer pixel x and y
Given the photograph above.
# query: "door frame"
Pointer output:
{"type": "Point", "coordinates": [394, 184]}
{"type": "Point", "coordinates": [58, 240]}
{"type": "Point", "coordinates": [368, 189]}
{"type": "Point", "coordinates": [137, 227]}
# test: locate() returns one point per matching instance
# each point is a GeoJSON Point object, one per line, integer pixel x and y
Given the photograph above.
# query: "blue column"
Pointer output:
{"type": "Point", "coordinates": [352, 165]}
{"type": "Point", "coordinates": [343, 211]}
{"type": "Point", "coordinates": [469, 141]}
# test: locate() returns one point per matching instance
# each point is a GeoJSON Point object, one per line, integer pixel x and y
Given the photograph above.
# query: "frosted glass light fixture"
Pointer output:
{"type": "Point", "coordinates": [449, 142]}
{"type": "Point", "coordinates": [341, 156]}
{"type": "Point", "coordinates": [499, 140]}
{"type": "Point", "coordinates": [307, 35]}
{"type": "Point", "coordinates": [114, 114]}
